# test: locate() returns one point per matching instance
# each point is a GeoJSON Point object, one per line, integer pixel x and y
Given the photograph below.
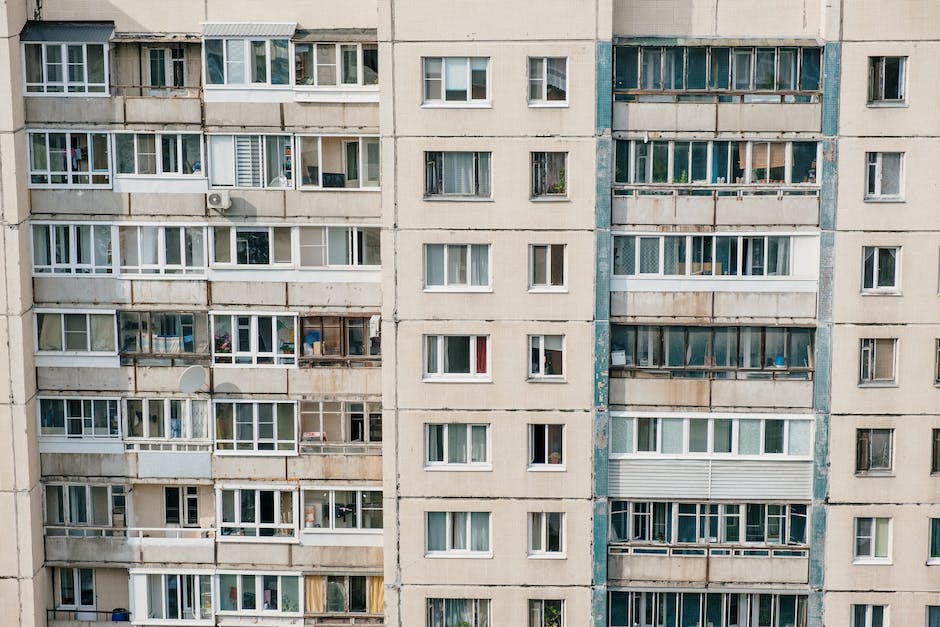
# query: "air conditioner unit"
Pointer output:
{"type": "Point", "coordinates": [218, 200]}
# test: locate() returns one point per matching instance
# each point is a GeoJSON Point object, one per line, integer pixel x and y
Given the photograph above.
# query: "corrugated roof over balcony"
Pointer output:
{"type": "Point", "coordinates": [71, 32]}
{"type": "Point", "coordinates": [248, 29]}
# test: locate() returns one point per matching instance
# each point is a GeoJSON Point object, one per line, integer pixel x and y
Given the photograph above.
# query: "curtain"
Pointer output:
{"type": "Point", "coordinates": [434, 264]}
{"type": "Point", "coordinates": [437, 531]}
{"type": "Point", "coordinates": [50, 332]}
{"type": "Point", "coordinates": [456, 264]}
{"type": "Point", "coordinates": [315, 593]}
{"type": "Point", "coordinates": [481, 355]}
{"type": "Point", "coordinates": [376, 594]}
{"type": "Point", "coordinates": [455, 78]}
{"type": "Point", "coordinates": [458, 173]}
{"type": "Point", "coordinates": [457, 443]}
{"type": "Point", "coordinates": [478, 444]}
{"type": "Point", "coordinates": [479, 531]}
{"type": "Point", "coordinates": [881, 537]}
{"type": "Point", "coordinates": [778, 256]}
{"type": "Point", "coordinates": [102, 332]}
{"type": "Point", "coordinates": [458, 530]}
{"type": "Point", "coordinates": [749, 437]}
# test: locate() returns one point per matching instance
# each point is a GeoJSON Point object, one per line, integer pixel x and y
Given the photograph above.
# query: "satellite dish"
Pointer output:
{"type": "Point", "coordinates": [192, 379]}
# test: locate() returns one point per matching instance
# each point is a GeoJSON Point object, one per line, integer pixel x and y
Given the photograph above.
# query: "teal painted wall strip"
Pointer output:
{"type": "Point", "coordinates": [605, 87]}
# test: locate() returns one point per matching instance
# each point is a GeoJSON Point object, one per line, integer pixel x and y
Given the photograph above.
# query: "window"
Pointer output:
{"type": "Point", "coordinates": [871, 538]}
{"type": "Point", "coordinates": [251, 594]}
{"type": "Point", "coordinates": [549, 174]}
{"type": "Point", "coordinates": [333, 64]}
{"type": "Point", "coordinates": [935, 539]}
{"type": "Point", "coordinates": [707, 523]}
{"type": "Point", "coordinates": [630, 609]}
{"type": "Point", "coordinates": [456, 444]}
{"type": "Point", "coordinates": [75, 589]}
{"type": "Point", "coordinates": [181, 506]}
{"type": "Point", "coordinates": [332, 340]}
{"type": "Point", "coordinates": [162, 250]}
{"type": "Point", "coordinates": [456, 80]}
{"type": "Point", "coordinates": [166, 66]}
{"type": "Point", "coordinates": [458, 612]}
{"type": "Point", "coordinates": [457, 174]}
{"type": "Point", "coordinates": [707, 435]}
{"type": "Point", "coordinates": [155, 338]}
{"type": "Point", "coordinates": [347, 162]}
{"type": "Point", "coordinates": [252, 245]}
{"type": "Point", "coordinates": [869, 615]}
{"type": "Point", "coordinates": [167, 418]}
{"type": "Point", "coordinates": [251, 161]}
{"type": "Point", "coordinates": [933, 616]}
{"type": "Point", "coordinates": [179, 597]}
{"type": "Point", "coordinates": [546, 613]}
{"type": "Point", "coordinates": [548, 80]}
{"type": "Point", "coordinates": [248, 62]}
{"type": "Point", "coordinates": [877, 358]}
{"type": "Point", "coordinates": [255, 426]}
{"type": "Point", "coordinates": [456, 267]}
{"type": "Point", "coordinates": [886, 78]}
{"type": "Point", "coordinates": [75, 332]}
{"type": "Point", "coordinates": [702, 255]}
{"type": "Point", "coordinates": [73, 248]}
{"type": "Point", "coordinates": [456, 356]}
{"type": "Point", "coordinates": [880, 268]}
{"type": "Point", "coordinates": [458, 532]}
{"type": "Point", "coordinates": [256, 512]}
{"type": "Point", "coordinates": [546, 356]}
{"type": "Point", "coordinates": [546, 445]}
{"type": "Point", "coordinates": [66, 68]}
{"type": "Point", "coordinates": [79, 417]}
{"type": "Point", "coordinates": [546, 534]}
{"type": "Point", "coordinates": [708, 163]}
{"type": "Point", "coordinates": [935, 451]}
{"type": "Point", "coordinates": [84, 505]}
{"type": "Point", "coordinates": [713, 352]}
{"type": "Point", "coordinates": [884, 175]}
{"type": "Point", "coordinates": [69, 159]}
{"type": "Point", "coordinates": [342, 510]}
{"type": "Point", "coordinates": [338, 422]}
{"type": "Point", "coordinates": [342, 594]}
{"type": "Point", "coordinates": [158, 154]}
{"type": "Point", "coordinates": [244, 339]}
{"type": "Point", "coordinates": [339, 246]}
{"type": "Point", "coordinates": [547, 267]}
{"type": "Point", "coordinates": [873, 449]}
{"type": "Point", "coordinates": [786, 74]}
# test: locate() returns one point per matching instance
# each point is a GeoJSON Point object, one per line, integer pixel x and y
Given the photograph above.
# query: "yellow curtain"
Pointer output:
{"type": "Point", "coordinates": [315, 591]}
{"type": "Point", "coordinates": [376, 595]}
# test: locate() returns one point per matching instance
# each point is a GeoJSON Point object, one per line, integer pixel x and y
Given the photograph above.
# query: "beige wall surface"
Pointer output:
{"type": "Point", "coordinates": [911, 20]}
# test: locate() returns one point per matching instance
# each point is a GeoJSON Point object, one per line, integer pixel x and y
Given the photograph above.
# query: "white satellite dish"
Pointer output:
{"type": "Point", "coordinates": [192, 379]}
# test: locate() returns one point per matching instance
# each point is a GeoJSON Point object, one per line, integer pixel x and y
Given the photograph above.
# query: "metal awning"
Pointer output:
{"type": "Point", "coordinates": [337, 34]}
{"type": "Point", "coordinates": [248, 29]}
{"type": "Point", "coordinates": [78, 32]}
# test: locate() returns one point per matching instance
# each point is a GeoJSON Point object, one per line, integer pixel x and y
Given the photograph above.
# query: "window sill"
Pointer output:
{"type": "Point", "coordinates": [878, 384]}
{"type": "Point", "coordinates": [458, 467]}
{"type": "Point", "coordinates": [70, 94]}
{"type": "Point", "coordinates": [257, 539]}
{"type": "Point", "coordinates": [872, 561]}
{"type": "Point", "coordinates": [457, 105]}
{"type": "Point", "coordinates": [881, 292]}
{"type": "Point", "coordinates": [248, 453]}
{"type": "Point", "coordinates": [341, 531]}
{"type": "Point", "coordinates": [547, 556]}
{"type": "Point", "coordinates": [443, 198]}
{"type": "Point", "coordinates": [933, 561]}
{"type": "Point", "coordinates": [887, 104]}
{"type": "Point", "coordinates": [547, 379]}
{"type": "Point", "coordinates": [861, 474]}
{"type": "Point", "coordinates": [548, 104]}
{"type": "Point", "coordinates": [549, 290]}
{"type": "Point", "coordinates": [320, 188]}
{"type": "Point", "coordinates": [546, 468]}
{"type": "Point", "coordinates": [550, 198]}
{"type": "Point", "coordinates": [458, 290]}
{"type": "Point", "coordinates": [883, 199]}
{"type": "Point", "coordinates": [465, 555]}
{"type": "Point", "coordinates": [465, 379]}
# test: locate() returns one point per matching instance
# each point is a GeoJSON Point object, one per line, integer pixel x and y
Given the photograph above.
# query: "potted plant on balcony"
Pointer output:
{"type": "Point", "coordinates": [552, 617]}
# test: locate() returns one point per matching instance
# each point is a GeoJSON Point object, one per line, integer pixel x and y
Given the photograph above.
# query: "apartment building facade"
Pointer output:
{"type": "Point", "coordinates": [548, 314]}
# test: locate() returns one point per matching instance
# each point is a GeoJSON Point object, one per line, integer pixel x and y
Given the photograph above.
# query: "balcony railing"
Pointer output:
{"type": "Point", "coordinates": [76, 531]}
{"type": "Point", "coordinates": [80, 617]}
{"type": "Point", "coordinates": [698, 550]}
{"type": "Point", "coordinates": [342, 620]}
{"type": "Point", "coordinates": [156, 91]}
{"type": "Point", "coordinates": [340, 448]}
{"type": "Point", "coordinates": [730, 97]}
{"type": "Point", "coordinates": [626, 190]}
{"type": "Point", "coordinates": [176, 446]}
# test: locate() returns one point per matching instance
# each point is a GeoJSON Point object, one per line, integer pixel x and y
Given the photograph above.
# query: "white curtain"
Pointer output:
{"type": "Point", "coordinates": [457, 443]}
{"type": "Point", "coordinates": [458, 173]}
{"type": "Point", "coordinates": [479, 531]}
{"type": "Point", "coordinates": [434, 264]}
{"type": "Point", "coordinates": [479, 260]}
{"type": "Point", "coordinates": [437, 531]}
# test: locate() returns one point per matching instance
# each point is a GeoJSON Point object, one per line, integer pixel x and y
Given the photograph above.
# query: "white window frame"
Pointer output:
{"type": "Point", "coordinates": [537, 613]}
{"type": "Point", "coordinates": [874, 164]}
{"type": "Point", "coordinates": [115, 494]}
{"type": "Point", "coordinates": [82, 87]}
{"type": "Point", "coordinates": [868, 615]}
{"type": "Point", "coordinates": [871, 557]}
{"type": "Point", "coordinates": [237, 446]}
{"type": "Point", "coordinates": [444, 464]}
{"type": "Point", "coordinates": [247, 42]}
{"type": "Point", "coordinates": [868, 360]}
{"type": "Point", "coordinates": [289, 180]}
{"type": "Point", "coordinates": [467, 251]}
{"type": "Point", "coordinates": [86, 352]}
{"type": "Point", "coordinates": [542, 100]}
{"type": "Point", "coordinates": [188, 498]}
{"type": "Point", "coordinates": [449, 530]}
{"type": "Point", "coordinates": [549, 251]}
{"type": "Point", "coordinates": [538, 524]}
{"type": "Point", "coordinates": [547, 465]}
{"type": "Point", "coordinates": [335, 510]}
{"type": "Point", "coordinates": [72, 265]}
{"type": "Point", "coordinates": [70, 173]}
{"type": "Point", "coordinates": [876, 267]}
{"type": "Point", "coordinates": [876, 71]}
{"type": "Point", "coordinates": [184, 579]}
{"type": "Point", "coordinates": [434, 176]}
{"type": "Point", "coordinates": [251, 531]}
{"type": "Point", "coordinates": [250, 356]}
{"type": "Point", "coordinates": [868, 455]}
{"type": "Point", "coordinates": [337, 65]}
{"type": "Point", "coordinates": [364, 183]}
{"type": "Point", "coordinates": [187, 406]}
{"type": "Point", "coordinates": [158, 233]}
{"type": "Point", "coordinates": [436, 342]}
{"type": "Point", "coordinates": [470, 101]}
{"type": "Point", "coordinates": [76, 574]}
{"type": "Point", "coordinates": [170, 62]}
{"type": "Point", "coordinates": [259, 593]}
{"type": "Point", "coordinates": [84, 424]}
{"type": "Point", "coordinates": [539, 161]}
{"type": "Point", "coordinates": [158, 156]}
{"type": "Point", "coordinates": [356, 246]}
{"type": "Point", "coordinates": [536, 370]}
{"type": "Point", "coordinates": [436, 610]}
{"type": "Point", "coordinates": [233, 235]}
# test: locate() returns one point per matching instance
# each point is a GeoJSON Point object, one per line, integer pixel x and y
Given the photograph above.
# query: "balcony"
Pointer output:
{"type": "Point", "coordinates": [701, 565]}
{"type": "Point", "coordinates": [717, 113]}
{"type": "Point", "coordinates": [83, 618]}
{"type": "Point", "coordinates": [343, 620]}
{"type": "Point", "coordinates": [118, 546]}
